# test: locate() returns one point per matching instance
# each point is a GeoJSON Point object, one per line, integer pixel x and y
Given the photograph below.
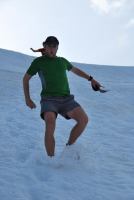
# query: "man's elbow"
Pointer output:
{"type": "Point", "coordinates": [26, 78]}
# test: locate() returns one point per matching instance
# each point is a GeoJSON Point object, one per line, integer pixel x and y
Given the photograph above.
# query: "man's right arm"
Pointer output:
{"type": "Point", "coordinates": [28, 99]}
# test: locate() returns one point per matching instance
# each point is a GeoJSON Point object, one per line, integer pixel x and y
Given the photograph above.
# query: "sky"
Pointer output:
{"type": "Point", "coordinates": [89, 31]}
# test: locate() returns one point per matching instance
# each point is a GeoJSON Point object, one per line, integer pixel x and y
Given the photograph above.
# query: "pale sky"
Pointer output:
{"type": "Point", "coordinates": [89, 31]}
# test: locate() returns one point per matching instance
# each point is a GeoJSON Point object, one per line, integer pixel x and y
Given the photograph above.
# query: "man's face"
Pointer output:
{"type": "Point", "coordinates": [51, 50]}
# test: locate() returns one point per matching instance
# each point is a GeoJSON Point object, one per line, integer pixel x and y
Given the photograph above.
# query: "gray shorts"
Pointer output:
{"type": "Point", "coordinates": [58, 105]}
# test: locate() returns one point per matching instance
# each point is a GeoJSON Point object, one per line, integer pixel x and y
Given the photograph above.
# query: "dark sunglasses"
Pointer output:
{"type": "Point", "coordinates": [52, 45]}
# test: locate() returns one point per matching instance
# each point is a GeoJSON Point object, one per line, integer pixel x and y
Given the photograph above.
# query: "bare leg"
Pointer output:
{"type": "Point", "coordinates": [49, 140]}
{"type": "Point", "coordinates": [81, 118]}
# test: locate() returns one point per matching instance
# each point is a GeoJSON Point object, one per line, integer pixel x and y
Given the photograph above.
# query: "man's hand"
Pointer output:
{"type": "Point", "coordinates": [95, 85]}
{"type": "Point", "coordinates": [30, 104]}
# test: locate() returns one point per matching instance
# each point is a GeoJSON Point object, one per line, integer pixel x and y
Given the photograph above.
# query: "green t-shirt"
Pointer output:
{"type": "Point", "coordinates": [52, 72]}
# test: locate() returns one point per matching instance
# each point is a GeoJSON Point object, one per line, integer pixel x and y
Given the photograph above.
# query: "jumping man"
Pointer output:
{"type": "Point", "coordinates": [55, 95]}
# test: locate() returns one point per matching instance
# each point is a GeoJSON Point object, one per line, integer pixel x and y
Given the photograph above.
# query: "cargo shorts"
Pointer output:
{"type": "Point", "coordinates": [58, 105]}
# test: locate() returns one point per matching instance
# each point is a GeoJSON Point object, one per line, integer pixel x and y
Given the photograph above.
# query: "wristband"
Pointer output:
{"type": "Point", "coordinates": [90, 78]}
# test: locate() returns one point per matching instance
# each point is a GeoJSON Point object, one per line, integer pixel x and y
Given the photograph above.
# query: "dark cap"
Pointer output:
{"type": "Point", "coordinates": [51, 40]}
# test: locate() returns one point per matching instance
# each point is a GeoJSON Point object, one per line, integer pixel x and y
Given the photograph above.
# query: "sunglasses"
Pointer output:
{"type": "Point", "coordinates": [52, 45]}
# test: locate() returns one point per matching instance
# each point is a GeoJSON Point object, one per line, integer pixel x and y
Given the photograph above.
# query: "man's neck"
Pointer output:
{"type": "Point", "coordinates": [49, 56]}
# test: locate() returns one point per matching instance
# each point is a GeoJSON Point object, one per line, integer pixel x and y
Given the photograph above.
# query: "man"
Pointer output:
{"type": "Point", "coordinates": [55, 96]}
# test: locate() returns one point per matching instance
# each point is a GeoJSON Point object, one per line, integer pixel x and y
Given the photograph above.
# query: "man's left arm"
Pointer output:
{"type": "Point", "coordinates": [95, 84]}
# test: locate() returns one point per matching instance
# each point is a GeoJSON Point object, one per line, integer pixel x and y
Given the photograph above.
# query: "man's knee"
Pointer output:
{"type": "Point", "coordinates": [79, 115]}
{"type": "Point", "coordinates": [84, 120]}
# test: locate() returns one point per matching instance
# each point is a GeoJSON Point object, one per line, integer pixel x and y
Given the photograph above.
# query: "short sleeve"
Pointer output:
{"type": "Point", "coordinates": [69, 66]}
{"type": "Point", "coordinates": [33, 69]}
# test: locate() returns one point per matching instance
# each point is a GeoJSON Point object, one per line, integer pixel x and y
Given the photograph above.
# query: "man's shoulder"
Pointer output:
{"type": "Point", "coordinates": [62, 59]}
{"type": "Point", "coordinates": [66, 63]}
{"type": "Point", "coordinates": [40, 58]}
{"type": "Point", "coordinates": [37, 58]}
